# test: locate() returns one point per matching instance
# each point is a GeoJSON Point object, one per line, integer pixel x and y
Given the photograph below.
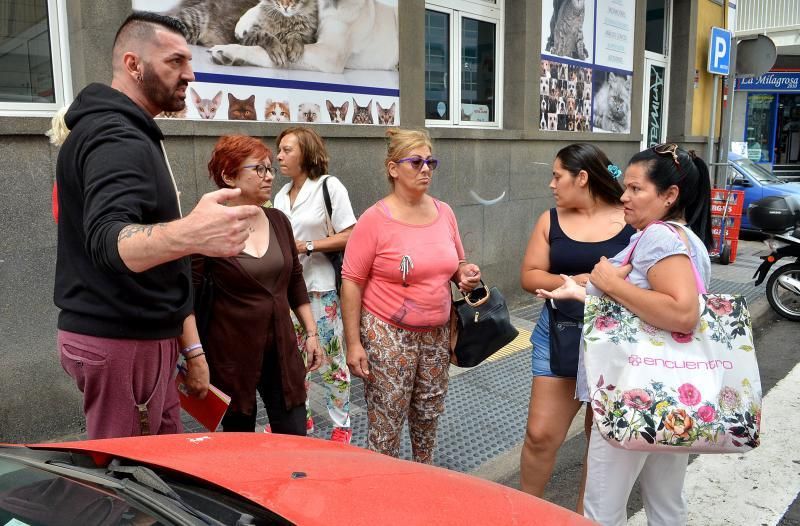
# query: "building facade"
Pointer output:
{"type": "Point", "coordinates": [501, 85]}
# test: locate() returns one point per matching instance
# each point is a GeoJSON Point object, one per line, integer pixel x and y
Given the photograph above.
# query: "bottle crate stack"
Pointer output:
{"type": "Point", "coordinates": [726, 212]}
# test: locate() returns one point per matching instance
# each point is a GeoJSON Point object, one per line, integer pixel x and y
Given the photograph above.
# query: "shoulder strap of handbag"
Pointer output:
{"type": "Point", "coordinates": [701, 286]}
{"type": "Point", "coordinates": [328, 206]}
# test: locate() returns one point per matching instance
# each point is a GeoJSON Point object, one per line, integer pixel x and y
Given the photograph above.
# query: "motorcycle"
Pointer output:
{"type": "Point", "coordinates": [779, 218]}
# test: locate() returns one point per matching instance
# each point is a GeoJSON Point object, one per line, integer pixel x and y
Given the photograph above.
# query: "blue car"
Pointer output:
{"type": "Point", "coordinates": [757, 183]}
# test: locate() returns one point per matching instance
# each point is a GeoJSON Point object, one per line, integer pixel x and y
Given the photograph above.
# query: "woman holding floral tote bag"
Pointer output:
{"type": "Point", "coordinates": [659, 285]}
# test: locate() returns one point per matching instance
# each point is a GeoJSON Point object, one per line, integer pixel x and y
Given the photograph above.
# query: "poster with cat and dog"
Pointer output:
{"type": "Point", "coordinates": [586, 65]}
{"type": "Point", "coordinates": [290, 60]}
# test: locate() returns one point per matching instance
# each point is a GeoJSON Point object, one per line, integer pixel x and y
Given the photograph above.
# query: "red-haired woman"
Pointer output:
{"type": "Point", "coordinates": [250, 342]}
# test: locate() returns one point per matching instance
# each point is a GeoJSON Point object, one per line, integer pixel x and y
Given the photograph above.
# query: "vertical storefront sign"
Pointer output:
{"type": "Point", "coordinates": [587, 65]}
{"type": "Point", "coordinates": [246, 69]}
{"type": "Point", "coordinates": [655, 104]}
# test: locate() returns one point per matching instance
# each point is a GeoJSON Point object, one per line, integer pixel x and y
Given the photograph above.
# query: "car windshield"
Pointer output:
{"type": "Point", "coordinates": [31, 496]}
{"type": "Point", "coordinates": [757, 172]}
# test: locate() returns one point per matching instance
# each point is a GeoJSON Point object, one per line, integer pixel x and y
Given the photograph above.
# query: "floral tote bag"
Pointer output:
{"type": "Point", "coordinates": [652, 390]}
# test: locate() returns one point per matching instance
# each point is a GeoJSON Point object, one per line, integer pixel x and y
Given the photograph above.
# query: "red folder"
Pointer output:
{"type": "Point", "coordinates": [208, 411]}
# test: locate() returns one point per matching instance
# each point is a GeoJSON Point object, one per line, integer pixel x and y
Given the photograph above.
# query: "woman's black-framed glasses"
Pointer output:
{"type": "Point", "coordinates": [416, 162]}
{"type": "Point", "coordinates": [261, 169]}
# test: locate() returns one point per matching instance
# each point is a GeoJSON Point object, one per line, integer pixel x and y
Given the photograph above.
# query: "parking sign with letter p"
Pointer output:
{"type": "Point", "coordinates": [719, 51]}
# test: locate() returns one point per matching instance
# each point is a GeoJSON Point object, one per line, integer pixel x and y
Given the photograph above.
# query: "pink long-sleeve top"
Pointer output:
{"type": "Point", "coordinates": [378, 250]}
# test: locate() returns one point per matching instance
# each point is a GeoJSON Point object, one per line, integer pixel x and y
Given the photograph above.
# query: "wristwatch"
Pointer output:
{"type": "Point", "coordinates": [309, 247]}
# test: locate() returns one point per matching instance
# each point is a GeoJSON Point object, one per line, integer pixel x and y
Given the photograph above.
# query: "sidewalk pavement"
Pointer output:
{"type": "Point", "coordinates": [482, 429]}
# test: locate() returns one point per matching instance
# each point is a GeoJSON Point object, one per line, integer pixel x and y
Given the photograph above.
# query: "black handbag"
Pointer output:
{"type": "Point", "coordinates": [336, 258]}
{"type": "Point", "coordinates": [566, 324]}
{"type": "Point", "coordinates": [479, 326]}
{"type": "Point", "coordinates": [204, 301]}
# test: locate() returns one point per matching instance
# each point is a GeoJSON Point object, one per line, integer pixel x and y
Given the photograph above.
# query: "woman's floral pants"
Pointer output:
{"type": "Point", "coordinates": [408, 378]}
{"type": "Point", "coordinates": [334, 372]}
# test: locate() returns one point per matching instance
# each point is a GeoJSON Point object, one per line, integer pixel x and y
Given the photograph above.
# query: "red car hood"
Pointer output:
{"type": "Point", "coordinates": [311, 481]}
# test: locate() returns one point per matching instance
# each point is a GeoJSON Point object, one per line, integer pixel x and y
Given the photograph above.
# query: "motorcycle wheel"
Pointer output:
{"type": "Point", "coordinates": [784, 300]}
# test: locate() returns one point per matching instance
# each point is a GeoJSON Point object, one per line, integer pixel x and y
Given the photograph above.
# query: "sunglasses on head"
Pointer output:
{"type": "Point", "coordinates": [668, 149]}
{"type": "Point", "coordinates": [416, 162]}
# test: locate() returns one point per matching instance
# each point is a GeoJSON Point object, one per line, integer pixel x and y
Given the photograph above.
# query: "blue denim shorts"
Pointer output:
{"type": "Point", "coordinates": [540, 339]}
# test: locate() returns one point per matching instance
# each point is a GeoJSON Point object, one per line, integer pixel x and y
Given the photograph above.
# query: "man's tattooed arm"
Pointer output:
{"type": "Point", "coordinates": [132, 230]}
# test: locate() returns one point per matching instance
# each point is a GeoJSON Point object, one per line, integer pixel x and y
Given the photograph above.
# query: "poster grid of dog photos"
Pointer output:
{"type": "Point", "coordinates": [255, 103]}
{"type": "Point", "coordinates": [239, 77]}
{"type": "Point", "coordinates": [565, 97]}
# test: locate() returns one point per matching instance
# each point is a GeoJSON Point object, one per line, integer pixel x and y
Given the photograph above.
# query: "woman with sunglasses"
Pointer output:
{"type": "Point", "coordinates": [586, 224]}
{"type": "Point", "coordinates": [404, 252]}
{"type": "Point", "coordinates": [304, 159]}
{"type": "Point", "coordinates": [250, 344]}
{"type": "Point", "coordinates": [662, 184]}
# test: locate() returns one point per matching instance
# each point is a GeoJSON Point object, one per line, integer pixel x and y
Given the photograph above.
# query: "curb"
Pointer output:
{"type": "Point", "coordinates": [505, 466]}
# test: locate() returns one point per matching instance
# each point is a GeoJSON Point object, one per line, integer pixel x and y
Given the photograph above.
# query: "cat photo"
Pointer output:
{"type": "Point", "coordinates": [612, 103]}
{"type": "Point", "coordinates": [566, 38]}
{"type": "Point", "coordinates": [181, 114]}
{"type": "Point", "coordinates": [353, 34]}
{"type": "Point", "coordinates": [338, 114]}
{"type": "Point", "coordinates": [241, 109]}
{"type": "Point", "coordinates": [277, 111]}
{"type": "Point", "coordinates": [281, 28]}
{"type": "Point", "coordinates": [208, 22]}
{"type": "Point", "coordinates": [206, 108]}
{"type": "Point", "coordinates": [385, 115]}
{"type": "Point", "coordinates": [362, 114]}
{"type": "Point", "coordinates": [308, 112]}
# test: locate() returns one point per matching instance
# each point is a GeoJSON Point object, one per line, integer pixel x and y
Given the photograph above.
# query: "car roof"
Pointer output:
{"type": "Point", "coordinates": [312, 481]}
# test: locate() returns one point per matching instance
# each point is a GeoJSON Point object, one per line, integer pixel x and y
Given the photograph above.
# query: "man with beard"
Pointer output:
{"type": "Point", "coordinates": [123, 277]}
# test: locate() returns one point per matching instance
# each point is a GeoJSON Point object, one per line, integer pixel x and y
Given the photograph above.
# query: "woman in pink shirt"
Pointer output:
{"type": "Point", "coordinates": [402, 255]}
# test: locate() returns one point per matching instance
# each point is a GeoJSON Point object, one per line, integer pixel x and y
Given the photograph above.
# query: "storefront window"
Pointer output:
{"type": "Point", "coordinates": [655, 39]}
{"type": "Point", "coordinates": [437, 65]}
{"type": "Point", "coordinates": [477, 70]}
{"type": "Point", "coordinates": [30, 66]}
{"type": "Point", "coordinates": [788, 148]}
{"type": "Point", "coordinates": [760, 126]}
{"type": "Point", "coordinates": [462, 62]}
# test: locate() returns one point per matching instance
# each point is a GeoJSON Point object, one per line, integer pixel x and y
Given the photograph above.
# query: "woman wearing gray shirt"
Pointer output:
{"type": "Point", "coordinates": [663, 183]}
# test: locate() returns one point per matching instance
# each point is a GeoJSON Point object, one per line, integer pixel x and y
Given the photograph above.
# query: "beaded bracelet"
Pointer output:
{"type": "Point", "coordinates": [191, 348]}
{"type": "Point", "coordinates": [201, 353]}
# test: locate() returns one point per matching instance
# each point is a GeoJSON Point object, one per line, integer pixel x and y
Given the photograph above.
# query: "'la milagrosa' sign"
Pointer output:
{"type": "Point", "coordinates": [773, 81]}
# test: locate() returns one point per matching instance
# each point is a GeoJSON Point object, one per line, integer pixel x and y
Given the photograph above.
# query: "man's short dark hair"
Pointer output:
{"type": "Point", "coordinates": [141, 26]}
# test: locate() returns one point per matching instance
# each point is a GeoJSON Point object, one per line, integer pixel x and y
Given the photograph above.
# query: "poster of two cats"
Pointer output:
{"type": "Point", "coordinates": [266, 59]}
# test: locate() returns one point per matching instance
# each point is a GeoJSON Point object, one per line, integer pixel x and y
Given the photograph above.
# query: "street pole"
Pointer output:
{"type": "Point", "coordinates": [711, 130]}
{"type": "Point", "coordinates": [727, 115]}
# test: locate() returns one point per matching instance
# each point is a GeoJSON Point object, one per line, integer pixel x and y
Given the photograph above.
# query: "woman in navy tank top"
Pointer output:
{"type": "Point", "coordinates": [587, 223]}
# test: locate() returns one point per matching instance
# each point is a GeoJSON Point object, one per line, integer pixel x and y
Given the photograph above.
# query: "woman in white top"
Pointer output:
{"type": "Point", "coordinates": [303, 159]}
